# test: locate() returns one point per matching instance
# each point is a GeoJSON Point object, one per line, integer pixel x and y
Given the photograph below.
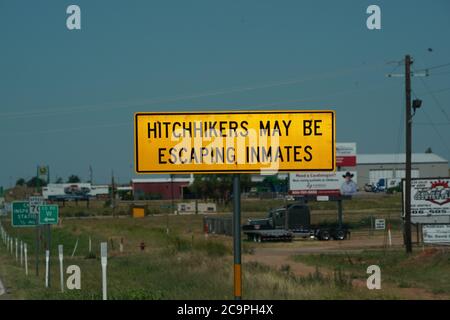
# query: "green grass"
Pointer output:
{"type": "Point", "coordinates": [428, 270]}
{"type": "Point", "coordinates": [181, 265]}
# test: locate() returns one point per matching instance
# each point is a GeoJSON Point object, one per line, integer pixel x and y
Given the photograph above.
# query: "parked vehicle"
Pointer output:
{"type": "Point", "coordinates": [289, 222]}
{"type": "Point", "coordinates": [384, 185]}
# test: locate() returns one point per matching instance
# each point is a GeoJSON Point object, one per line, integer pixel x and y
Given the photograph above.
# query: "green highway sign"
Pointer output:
{"type": "Point", "coordinates": [21, 216]}
{"type": "Point", "coordinates": [48, 214]}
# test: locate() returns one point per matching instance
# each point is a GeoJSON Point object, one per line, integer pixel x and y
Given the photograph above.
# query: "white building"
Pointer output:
{"type": "Point", "coordinates": [372, 167]}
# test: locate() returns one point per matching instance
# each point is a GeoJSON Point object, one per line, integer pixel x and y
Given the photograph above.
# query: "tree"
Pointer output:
{"type": "Point", "coordinates": [20, 182]}
{"type": "Point", "coordinates": [429, 150]}
{"type": "Point", "coordinates": [73, 179]}
{"type": "Point", "coordinates": [59, 180]}
{"type": "Point", "coordinates": [274, 184]}
{"type": "Point", "coordinates": [35, 182]}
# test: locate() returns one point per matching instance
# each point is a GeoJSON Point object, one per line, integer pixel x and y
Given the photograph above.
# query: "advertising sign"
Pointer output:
{"type": "Point", "coordinates": [430, 197]}
{"type": "Point", "coordinates": [345, 154]}
{"type": "Point", "coordinates": [436, 233]}
{"type": "Point", "coordinates": [322, 183]}
{"type": "Point", "coordinates": [237, 141]}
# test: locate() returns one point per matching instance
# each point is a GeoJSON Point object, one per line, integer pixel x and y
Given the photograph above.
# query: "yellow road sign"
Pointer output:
{"type": "Point", "coordinates": [237, 141]}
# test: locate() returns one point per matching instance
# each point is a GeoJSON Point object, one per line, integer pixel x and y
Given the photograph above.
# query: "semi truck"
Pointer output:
{"type": "Point", "coordinates": [289, 222]}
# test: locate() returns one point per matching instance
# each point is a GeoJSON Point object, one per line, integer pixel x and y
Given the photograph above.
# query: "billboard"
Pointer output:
{"type": "Point", "coordinates": [430, 197]}
{"type": "Point", "coordinates": [73, 190]}
{"type": "Point", "coordinates": [436, 233]}
{"type": "Point", "coordinates": [345, 154]}
{"type": "Point", "coordinates": [323, 183]}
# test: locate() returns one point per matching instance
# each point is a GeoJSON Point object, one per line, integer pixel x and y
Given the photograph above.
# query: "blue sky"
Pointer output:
{"type": "Point", "coordinates": [67, 98]}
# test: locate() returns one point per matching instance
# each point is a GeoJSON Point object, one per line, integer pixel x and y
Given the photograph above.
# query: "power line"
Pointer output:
{"type": "Point", "coordinates": [440, 73]}
{"type": "Point", "coordinates": [436, 101]}
{"type": "Point", "coordinates": [129, 104]}
{"type": "Point", "coordinates": [436, 123]}
{"type": "Point", "coordinates": [435, 67]}
{"type": "Point", "coordinates": [435, 91]}
{"type": "Point", "coordinates": [430, 122]}
{"type": "Point", "coordinates": [109, 125]}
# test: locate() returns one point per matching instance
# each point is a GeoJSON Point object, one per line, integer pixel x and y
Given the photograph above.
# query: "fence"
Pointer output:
{"type": "Point", "coordinates": [218, 225]}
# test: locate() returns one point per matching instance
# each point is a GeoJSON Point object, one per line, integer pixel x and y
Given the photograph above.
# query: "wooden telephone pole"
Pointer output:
{"type": "Point", "coordinates": [408, 126]}
{"type": "Point", "coordinates": [408, 142]}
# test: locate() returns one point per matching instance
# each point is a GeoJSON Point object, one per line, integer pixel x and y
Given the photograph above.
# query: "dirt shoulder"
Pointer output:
{"type": "Point", "coordinates": [278, 257]}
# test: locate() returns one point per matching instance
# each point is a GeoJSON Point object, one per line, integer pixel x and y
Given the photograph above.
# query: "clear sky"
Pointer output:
{"type": "Point", "coordinates": [67, 98]}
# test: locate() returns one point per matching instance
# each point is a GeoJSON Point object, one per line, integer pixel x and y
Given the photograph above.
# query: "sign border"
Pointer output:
{"type": "Point", "coordinates": [136, 157]}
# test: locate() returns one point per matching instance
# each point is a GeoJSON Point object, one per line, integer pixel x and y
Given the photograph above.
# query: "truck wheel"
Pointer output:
{"type": "Point", "coordinates": [325, 236]}
{"type": "Point", "coordinates": [340, 235]}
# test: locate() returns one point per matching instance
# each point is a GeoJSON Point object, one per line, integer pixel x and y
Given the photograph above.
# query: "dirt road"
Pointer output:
{"type": "Point", "coordinates": [279, 255]}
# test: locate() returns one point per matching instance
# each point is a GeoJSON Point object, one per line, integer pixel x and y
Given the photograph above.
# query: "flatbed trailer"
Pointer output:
{"type": "Point", "coordinates": [290, 222]}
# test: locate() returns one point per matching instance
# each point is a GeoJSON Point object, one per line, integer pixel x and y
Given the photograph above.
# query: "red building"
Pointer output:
{"type": "Point", "coordinates": [159, 188]}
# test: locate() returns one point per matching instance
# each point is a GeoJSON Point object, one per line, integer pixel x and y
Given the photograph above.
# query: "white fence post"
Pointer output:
{"type": "Point", "coordinates": [21, 253]}
{"type": "Point", "coordinates": [61, 256]}
{"type": "Point", "coordinates": [26, 258]}
{"type": "Point", "coordinates": [104, 261]}
{"type": "Point", "coordinates": [47, 260]}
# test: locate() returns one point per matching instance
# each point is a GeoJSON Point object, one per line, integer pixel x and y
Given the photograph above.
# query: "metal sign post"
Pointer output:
{"type": "Point", "coordinates": [48, 215]}
{"type": "Point", "coordinates": [237, 237]}
{"type": "Point", "coordinates": [36, 249]}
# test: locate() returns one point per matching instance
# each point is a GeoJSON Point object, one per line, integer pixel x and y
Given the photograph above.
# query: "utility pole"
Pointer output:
{"type": "Point", "coordinates": [408, 127]}
{"type": "Point", "coordinates": [408, 142]}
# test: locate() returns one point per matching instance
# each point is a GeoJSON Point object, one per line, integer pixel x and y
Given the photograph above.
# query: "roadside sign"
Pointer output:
{"type": "Point", "coordinates": [436, 233]}
{"type": "Point", "coordinates": [21, 216]}
{"type": "Point", "coordinates": [35, 202]}
{"type": "Point", "coordinates": [380, 224]}
{"type": "Point", "coordinates": [430, 200]}
{"type": "Point", "coordinates": [48, 214]}
{"type": "Point", "coordinates": [346, 154]}
{"type": "Point", "coordinates": [322, 183]}
{"type": "Point", "coordinates": [238, 141]}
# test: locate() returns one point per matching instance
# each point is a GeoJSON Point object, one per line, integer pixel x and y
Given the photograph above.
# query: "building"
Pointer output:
{"type": "Point", "coordinates": [372, 167]}
{"type": "Point", "coordinates": [160, 188]}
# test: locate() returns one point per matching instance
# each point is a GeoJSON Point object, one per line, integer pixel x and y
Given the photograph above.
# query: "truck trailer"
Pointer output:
{"type": "Point", "coordinates": [289, 222]}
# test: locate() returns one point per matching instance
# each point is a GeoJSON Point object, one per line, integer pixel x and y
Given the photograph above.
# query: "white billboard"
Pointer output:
{"type": "Point", "coordinates": [436, 233]}
{"type": "Point", "coordinates": [430, 197]}
{"type": "Point", "coordinates": [345, 154]}
{"type": "Point", "coordinates": [74, 189]}
{"type": "Point", "coordinates": [323, 183]}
